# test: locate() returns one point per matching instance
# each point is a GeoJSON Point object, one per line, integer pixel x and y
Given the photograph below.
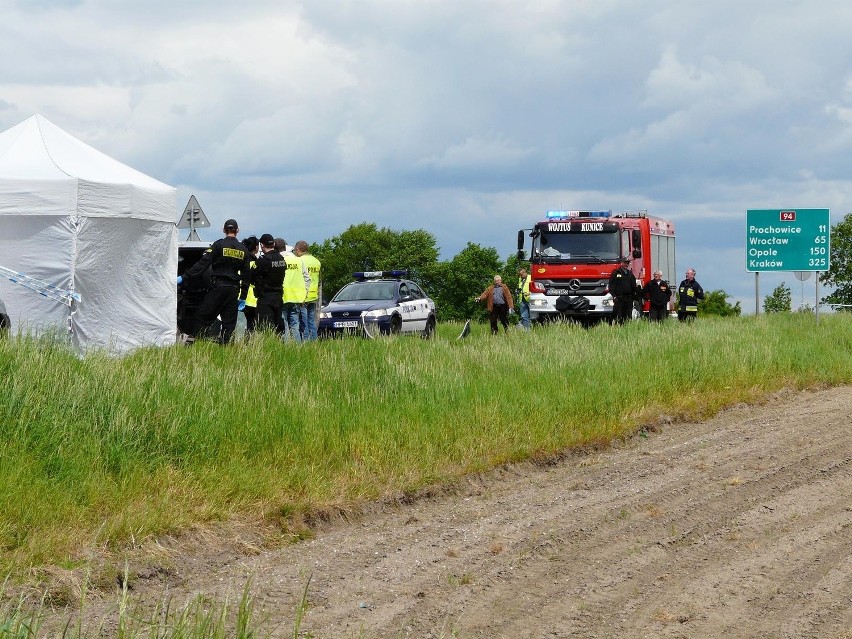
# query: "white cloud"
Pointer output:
{"type": "Point", "coordinates": [703, 109]}
{"type": "Point", "coordinates": [477, 153]}
{"type": "Point", "coordinates": [714, 86]}
{"type": "Point", "coordinates": [469, 119]}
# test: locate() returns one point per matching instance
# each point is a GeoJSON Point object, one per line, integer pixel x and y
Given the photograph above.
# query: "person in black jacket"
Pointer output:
{"type": "Point", "coordinates": [250, 311]}
{"type": "Point", "coordinates": [231, 266]}
{"type": "Point", "coordinates": [689, 293]}
{"type": "Point", "coordinates": [658, 293]}
{"type": "Point", "coordinates": [268, 282]}
{"type": "Point", "coordinates": [622, 287]}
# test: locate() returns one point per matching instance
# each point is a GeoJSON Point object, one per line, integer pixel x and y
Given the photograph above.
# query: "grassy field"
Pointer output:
{"type": "Point", "coordinates": [103, 451]}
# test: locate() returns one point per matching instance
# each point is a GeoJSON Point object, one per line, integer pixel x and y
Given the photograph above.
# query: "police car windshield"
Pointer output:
{"type": "Point", "coordinates": [575, 246]}
{"type": "Point", "coordinates": [366, 291]}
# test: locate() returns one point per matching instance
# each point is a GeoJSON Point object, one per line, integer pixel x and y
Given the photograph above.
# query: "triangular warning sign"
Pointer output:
{"type": "Point", "coordinates": [193, 217]}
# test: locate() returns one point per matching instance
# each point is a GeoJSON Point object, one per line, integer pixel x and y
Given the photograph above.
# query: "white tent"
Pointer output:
{"type": "Point", "coordinates": [79, 221]}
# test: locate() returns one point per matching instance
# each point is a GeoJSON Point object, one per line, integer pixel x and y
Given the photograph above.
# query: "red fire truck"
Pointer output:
{"type": "Point", "coordinates": [573, 254]}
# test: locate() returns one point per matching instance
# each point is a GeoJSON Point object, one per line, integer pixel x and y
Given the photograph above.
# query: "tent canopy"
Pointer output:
{"type": "Point", "coordinates": [80, 221]}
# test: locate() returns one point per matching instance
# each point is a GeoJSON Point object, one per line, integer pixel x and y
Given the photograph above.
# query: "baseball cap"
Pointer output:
{"type": "Point", "coordinates": [231, 225]}
{"type": "Point", "coordinates": [267, 240]}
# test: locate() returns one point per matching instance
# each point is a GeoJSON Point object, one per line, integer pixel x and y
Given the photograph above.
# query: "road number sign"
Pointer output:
{"type": "Point", "coordinates": [787, 240]}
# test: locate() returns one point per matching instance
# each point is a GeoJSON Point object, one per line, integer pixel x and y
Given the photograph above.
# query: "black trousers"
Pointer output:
{"type": "Point", "coordinates": [658, 312]}
{"type": "Point", "coordinates": [221, 301]}
{"type": "Point", "coordinates": [269, 312]}
{"type": "Point", "coordinates": [499, 312]}
{"type": "Point", "coordinates": [250, 313]}
{"type": "Point", "coordinates": [622, 308]}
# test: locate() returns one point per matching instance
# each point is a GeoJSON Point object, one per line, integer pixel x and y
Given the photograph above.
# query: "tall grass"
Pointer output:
{"type": "Point", "coordinates": [199, 618]}
{"type": "Point", "coordinates": [102, 451]}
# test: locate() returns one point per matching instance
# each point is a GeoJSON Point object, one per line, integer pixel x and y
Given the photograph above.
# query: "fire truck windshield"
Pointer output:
{"type": "Point", "coordinates": [576, 247]}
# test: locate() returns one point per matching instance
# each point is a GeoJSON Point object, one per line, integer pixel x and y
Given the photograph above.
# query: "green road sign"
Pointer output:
{"type": "Point", "coordinates": [787, 240]}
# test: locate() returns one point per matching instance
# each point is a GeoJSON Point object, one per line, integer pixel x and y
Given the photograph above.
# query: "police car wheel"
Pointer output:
{"type": "Point", "coordinates": [396, 325]}
{"type": "Point", "coordinates": [429, 331]}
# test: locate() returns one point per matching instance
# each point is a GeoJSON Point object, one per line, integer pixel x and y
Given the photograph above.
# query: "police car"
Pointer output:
{"type": "Point", "coordinates": [379, 303]}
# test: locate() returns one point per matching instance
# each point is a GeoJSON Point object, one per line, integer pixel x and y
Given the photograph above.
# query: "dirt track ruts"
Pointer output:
{"type": "Point", "coordinates": [735, 527]}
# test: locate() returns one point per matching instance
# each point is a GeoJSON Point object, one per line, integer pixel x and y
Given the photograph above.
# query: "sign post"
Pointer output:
{"type": "Point", "coordinates": [193, 218]}
{"type": "Point", "coordinates": [788, 240]}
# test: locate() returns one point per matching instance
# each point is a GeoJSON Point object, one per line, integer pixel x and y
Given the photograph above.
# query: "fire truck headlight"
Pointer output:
{"type": "Point", "coordinates": [538, 303]}
{"type": "Point", "coordinates": [607, 301]}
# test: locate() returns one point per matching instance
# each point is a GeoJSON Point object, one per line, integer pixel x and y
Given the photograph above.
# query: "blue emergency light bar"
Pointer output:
{"type": "Point", "coordinates": [564, 215]}
{"type": "Point", "coordinates": [371, 275]}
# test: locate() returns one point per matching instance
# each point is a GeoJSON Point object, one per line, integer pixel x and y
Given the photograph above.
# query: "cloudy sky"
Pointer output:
{"type": "Point", "coordinates": [466, 118]}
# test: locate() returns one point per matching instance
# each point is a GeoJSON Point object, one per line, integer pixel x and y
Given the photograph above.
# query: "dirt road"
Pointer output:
{"type": "Point", "coordinates": [737, 527]}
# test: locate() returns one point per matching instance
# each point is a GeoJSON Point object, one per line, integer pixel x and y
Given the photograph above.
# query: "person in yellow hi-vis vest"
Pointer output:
{"type": "Point", "coordinates": [308, 319]}
{"type": "Point", "coordinates": [294, 294]}
{"type": "Point", "coordinates": [250, 311]}
{"type": "Point", "coordinates": [524, 297]}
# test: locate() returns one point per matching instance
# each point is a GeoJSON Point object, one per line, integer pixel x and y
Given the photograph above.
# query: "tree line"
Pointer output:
{"type": "Point", "coordinates": [453, 283]}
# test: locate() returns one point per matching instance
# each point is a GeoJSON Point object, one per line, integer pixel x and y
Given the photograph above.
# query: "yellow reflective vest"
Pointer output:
{"type": "Point", "coordinates": [295, 290]}
{"type": "Point", "coordinates": [251, 298]}
{"type": "Point", "coordinates": [312, 265]}
{"type": "Point", "coordinates": [524, 288]}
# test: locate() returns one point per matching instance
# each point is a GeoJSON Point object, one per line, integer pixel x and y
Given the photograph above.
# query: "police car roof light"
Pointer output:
{"type": "Point", "coordinates": [563, 215]}
{"type": "Point", "coordinates": [371, 275]}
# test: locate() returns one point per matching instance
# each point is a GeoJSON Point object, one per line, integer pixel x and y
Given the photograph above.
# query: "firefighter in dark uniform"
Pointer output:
{"type": "Point", "coordinates": [689, 293]}
{"type": "Point", "coordinates": [622, 287]}
{"type": "Point", "coordinates": [230, 263]}
{"type": "Point", "coordinates": [268, 279]}
{"type": "Point", "coordinates": [658, 293]}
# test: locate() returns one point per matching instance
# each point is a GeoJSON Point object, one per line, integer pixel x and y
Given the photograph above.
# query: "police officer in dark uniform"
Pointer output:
{"type": "Point", "coordinates": [231, 266]}
{"type": "Point", "coordinates": [622, 287]}
{"type": "Point", "coordinates": [268, 280]}
{"type": "Point", "coordinates": [658, 293]}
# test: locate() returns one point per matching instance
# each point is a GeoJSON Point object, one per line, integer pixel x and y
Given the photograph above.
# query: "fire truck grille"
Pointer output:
{"type": "Point", "coordinates": [575, 287]}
